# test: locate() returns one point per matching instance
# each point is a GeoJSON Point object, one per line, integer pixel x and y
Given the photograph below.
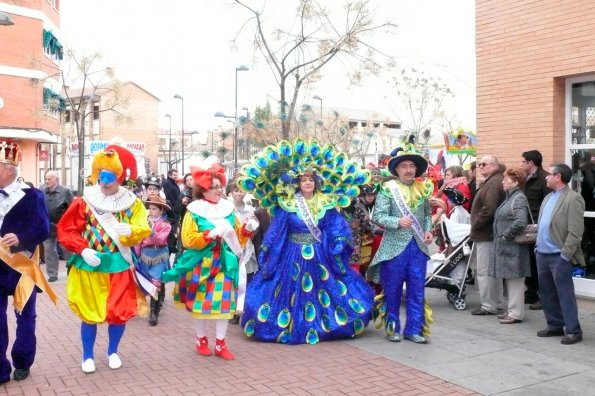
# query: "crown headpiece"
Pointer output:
{"type": "Point", "coordinates": [10, 152]}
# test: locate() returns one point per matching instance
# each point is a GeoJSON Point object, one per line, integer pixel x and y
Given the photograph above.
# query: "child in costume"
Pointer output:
{"type": "Point", "coordinates": [244, 212]}
{"type": "Point", "coordinates": [207, 273]}
{"type": "Point", "coordinates": [100, 227]}
{"type": "Point", "coordinates": [153, 252]}
{"type": "Point", "coordinates": [305, 291]}
{"type": "Point", "coordinates": [358, 219]}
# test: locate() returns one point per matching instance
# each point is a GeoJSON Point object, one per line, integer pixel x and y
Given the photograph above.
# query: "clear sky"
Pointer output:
{"type": "Point", "coordinates": [183, 47]}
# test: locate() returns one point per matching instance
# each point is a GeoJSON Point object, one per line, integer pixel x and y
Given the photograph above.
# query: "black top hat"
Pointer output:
{"type": "Point", "coordinates": [455, 196]}
{"type": "Point", "coordinates": [153, 181]}
{"type": "Point", "coordinates": [407, 153]}
{"type": "Point", "coordinates": [368, 189]}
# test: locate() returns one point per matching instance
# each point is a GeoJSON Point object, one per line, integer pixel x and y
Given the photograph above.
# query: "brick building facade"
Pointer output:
{"type": "Point", "coordinates": [536, 90]}
{"type": "Point", "coordinates": [30, 82]}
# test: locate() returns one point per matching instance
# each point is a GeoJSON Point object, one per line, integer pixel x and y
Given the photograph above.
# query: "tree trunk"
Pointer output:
{"type": "Point", "coordinates": [81, 164]}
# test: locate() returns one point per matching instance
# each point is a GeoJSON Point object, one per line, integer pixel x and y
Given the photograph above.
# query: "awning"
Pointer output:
{"type": "Point", "coordinates": [37, 135]}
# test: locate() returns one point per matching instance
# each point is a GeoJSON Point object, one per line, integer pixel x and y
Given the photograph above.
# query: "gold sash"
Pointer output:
{"type": "Point", "coordinates": [31, 275]}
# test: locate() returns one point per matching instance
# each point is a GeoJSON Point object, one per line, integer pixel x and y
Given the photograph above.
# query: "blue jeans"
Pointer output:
{"type": "Point", "coordinates": [557, 293]}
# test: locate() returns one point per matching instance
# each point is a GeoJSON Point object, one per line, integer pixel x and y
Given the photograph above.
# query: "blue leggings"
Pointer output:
{"type": "Point", "coordinates": [409, 268]}
{"type": "Point", "coordinates": [89, 333]}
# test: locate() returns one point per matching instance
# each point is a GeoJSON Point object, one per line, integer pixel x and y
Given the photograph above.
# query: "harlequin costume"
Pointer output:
{"type": "Point", "coordinates": [102, 285]}
{"type": "Point", "coordinates": [402, 255]}
{"type": "Point", "coordinates": [24, 214]}
{"type": "Point", "coordinates": [305, 291]}
{"type": "Point", "coordinates": [207, 273]}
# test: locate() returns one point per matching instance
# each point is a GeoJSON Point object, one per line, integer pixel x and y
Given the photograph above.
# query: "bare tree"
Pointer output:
{"type": "Point", "coordinates": [422, 98]}
{"type": "Point", "coordinates": [91, 81]}
{"type": "Point", "coordinates": [296, 56]}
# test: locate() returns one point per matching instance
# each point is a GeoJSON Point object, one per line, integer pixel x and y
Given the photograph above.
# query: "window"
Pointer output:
{"type": "Point", "coordinates": [53, 103]}
{"type": "Point", "coordinates": [95, 111]}
{"type": "Point", "coordinates": [580, 154]}
{"type": "Point", "coordinates": [51, 46]}
{"type": "Point", "coordinates": [67, 115]}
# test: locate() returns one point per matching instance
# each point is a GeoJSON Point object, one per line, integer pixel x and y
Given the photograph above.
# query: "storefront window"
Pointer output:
{"type": "Point", "coordinates": [581, 156]}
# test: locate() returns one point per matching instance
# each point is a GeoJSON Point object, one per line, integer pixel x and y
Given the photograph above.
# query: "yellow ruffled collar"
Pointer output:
{"type": "Point", "coordinates": [318, 205]}
{"type": "Point", "coordinates": [413, 194]}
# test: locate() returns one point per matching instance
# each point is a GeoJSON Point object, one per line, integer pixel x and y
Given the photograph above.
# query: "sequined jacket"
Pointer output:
{"type": "Point", "coordinates": [387, 214]}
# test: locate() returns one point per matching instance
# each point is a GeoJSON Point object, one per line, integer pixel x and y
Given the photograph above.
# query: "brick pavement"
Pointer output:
{"type": "Point", "coordinates": [161, 360]}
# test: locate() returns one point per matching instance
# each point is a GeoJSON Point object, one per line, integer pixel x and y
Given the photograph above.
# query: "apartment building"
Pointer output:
{"type": "Point", "coordinates": [30, 83]}
{"type": "Point", "coordinates": [117, 111]}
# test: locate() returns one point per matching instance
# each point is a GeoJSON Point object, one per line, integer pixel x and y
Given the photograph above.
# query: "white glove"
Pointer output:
{"type": "Point", "coordinates": [123, 229]}
{"type": "Point", "coordinates": [215, 232]}
{"type": "Point", "coordinates": [252, 225]}
{"type": "Point", "coordinates": [90, 256]}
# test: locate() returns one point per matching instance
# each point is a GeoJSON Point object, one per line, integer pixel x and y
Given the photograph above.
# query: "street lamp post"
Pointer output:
{"type": "Point", "coordinates": [221, 114]}
{"type": "Point", "coordinates": [316, 97]}
{"type": "Point", "coordinates": [235, 134]}
{"type": "Point", "coordinates": [177, 96]}
{"type": "Point", "coordinates": [169, 144]}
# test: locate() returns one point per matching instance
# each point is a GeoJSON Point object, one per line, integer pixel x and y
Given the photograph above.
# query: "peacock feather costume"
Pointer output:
{"type": "Point", "coordinates": [271, 176]}
{"type": "Point", "coordinates": [305, 291]}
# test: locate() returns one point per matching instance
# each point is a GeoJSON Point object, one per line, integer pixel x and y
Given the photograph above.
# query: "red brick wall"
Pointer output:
{"type": "Point", "coordinates": [525, 51]}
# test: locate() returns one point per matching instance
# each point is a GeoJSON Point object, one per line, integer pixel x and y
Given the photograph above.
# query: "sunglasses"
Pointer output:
{"type": "Point", "coordinates": [484, 164]}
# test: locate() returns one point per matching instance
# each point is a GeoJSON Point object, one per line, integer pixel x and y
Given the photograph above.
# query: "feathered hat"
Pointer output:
{"type": "Point", "coordinates": [10, 152]}
{"type": "Point", "coordinates": [407, 152]}
{"type": "Point", "coordinates": [128, 163]}
{"type": "Point", "coordinates": [273, 173]}
{"type": "Point", "coordinates": [115, 159]}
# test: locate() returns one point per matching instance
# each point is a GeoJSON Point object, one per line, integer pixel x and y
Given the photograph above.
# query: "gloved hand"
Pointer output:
{"type": "Point", "coordinates": [338, 248]}
{"type": "Point", "coordinates": [215, 232]}
{"type": "Point", "coordinates": [252, 225]}
{"type": "Point", "coordinates": [123, 229]}
{"type": "Point", "coordinates": [90, 256]}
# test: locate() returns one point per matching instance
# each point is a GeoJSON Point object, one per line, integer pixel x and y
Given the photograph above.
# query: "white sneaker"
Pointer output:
{"type": "Point", "coordinates": [88, 366]}
{"type": "Point", "coordinates": [114, 361]}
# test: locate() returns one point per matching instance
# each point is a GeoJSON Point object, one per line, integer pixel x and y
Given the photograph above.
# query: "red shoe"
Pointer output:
{"type": "Point", "coordinates": [202, 346]}
{"type": "Point", "coordinates": [222, 351]}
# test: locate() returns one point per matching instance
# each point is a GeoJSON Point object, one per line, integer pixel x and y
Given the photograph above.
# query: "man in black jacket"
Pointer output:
{"type": "Point", "coordinates": [173, 195]}
{"type": "Point", "coordinates": [535, 190]}
{"type": "Point", "coordinates": [57, 199]}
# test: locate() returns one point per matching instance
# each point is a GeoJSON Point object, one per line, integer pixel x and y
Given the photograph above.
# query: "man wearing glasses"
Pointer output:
{"type": "Point", "coordinates": [489, 196]}
{"type": "Point", "coordinates": [558, 247]}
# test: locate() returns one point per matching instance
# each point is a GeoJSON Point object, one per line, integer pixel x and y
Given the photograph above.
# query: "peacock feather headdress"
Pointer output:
{"type": "Point", "coordinates": [273, 174]}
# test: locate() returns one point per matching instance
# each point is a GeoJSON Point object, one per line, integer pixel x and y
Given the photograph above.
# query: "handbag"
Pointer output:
{"type": "Point", "coordinates": [528, 236]}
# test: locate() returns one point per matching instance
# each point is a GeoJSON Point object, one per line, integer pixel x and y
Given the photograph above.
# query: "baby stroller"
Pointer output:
{"type": "Point", "coordinates": [447, 270]}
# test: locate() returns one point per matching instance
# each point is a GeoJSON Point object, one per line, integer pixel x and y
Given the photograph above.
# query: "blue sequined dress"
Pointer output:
{"type": "Point", "coordinates": [304, 293]}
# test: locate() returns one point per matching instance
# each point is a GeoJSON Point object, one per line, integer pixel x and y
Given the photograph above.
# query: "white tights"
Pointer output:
{"type": "Point", "coordinates": [220, 328]}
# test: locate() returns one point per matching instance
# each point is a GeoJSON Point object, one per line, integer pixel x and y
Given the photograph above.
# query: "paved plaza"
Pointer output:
{"type": "Point", "coordinates": [467, 355]}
